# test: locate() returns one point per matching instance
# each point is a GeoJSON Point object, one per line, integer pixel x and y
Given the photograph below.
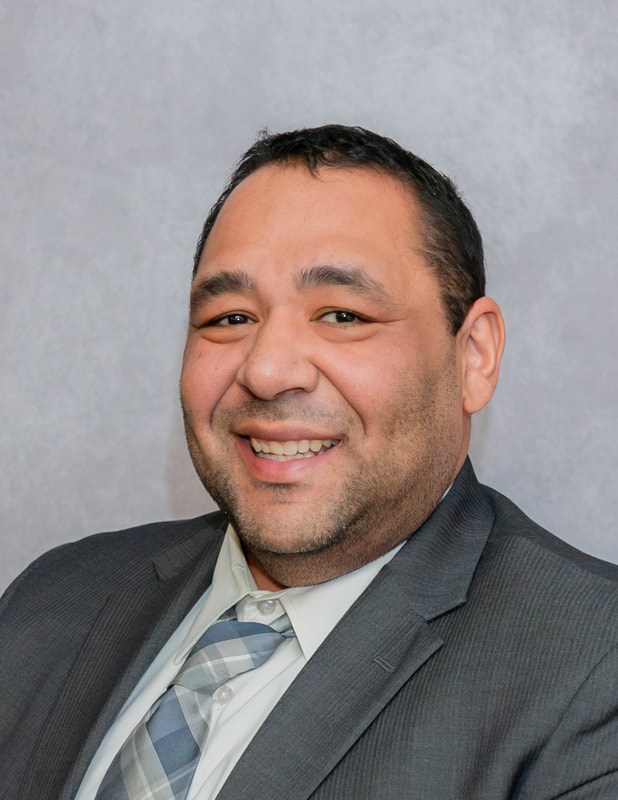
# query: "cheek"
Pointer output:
{"type": "Point", "coordinates": [368, 379]}
{"type": "Point", "coordinates": [398, 396]}
{"type": "Point", "coordinates": [205, 378]}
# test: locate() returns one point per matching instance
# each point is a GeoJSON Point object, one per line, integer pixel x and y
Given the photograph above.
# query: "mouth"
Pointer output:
{"type": "Point", "coordinates": [292, 449]}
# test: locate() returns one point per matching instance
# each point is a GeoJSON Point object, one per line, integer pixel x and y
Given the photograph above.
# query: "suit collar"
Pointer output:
{"type": "Point", "coordinates": [436, 566]}
{"type": "Point", "coordinates": [175, 559]}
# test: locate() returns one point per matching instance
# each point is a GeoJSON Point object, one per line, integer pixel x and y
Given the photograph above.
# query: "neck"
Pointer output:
{"type": "Point", "coordinates": [261, 578]}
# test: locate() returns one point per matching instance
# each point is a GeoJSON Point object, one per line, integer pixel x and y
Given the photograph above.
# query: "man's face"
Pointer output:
{"type": "Point", "coordinates": [320, 383]}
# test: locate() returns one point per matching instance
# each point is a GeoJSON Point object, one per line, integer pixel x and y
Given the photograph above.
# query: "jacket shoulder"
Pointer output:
{"type": "Point", "coordinates": [107, 560]}
{"type": "Point", "coordinates": [513, 524]}
{"type": "Point", "coordinates": [569, 595]}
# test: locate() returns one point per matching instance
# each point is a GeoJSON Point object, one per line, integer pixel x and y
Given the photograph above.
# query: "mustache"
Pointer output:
{"type": "Point", "coordinates": [277, 410]}
{"type": "Point", "coordinates": [281, 409]}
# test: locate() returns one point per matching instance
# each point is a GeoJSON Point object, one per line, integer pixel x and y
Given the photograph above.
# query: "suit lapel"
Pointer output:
{"type": "Point", "coordinates": [131, 627]}
{"type": "Point", "coordinates": [381, 642]}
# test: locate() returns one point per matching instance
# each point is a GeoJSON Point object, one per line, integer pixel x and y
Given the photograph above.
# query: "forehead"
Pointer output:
{"type": "Point", "coordinates": [289, 202]}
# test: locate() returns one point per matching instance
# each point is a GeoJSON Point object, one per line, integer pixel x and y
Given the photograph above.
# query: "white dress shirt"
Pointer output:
{"type": "Point", "coordinates": [242, 704]}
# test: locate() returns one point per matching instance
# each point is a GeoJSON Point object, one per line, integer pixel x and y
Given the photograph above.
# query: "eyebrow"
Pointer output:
{"type": "Point", "coordinates": [355, 278]}
{"type": "Point", "coordinates": [225, 282]}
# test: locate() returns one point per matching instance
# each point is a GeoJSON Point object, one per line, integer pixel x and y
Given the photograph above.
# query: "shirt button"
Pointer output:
{"type": "Point", "coordinates": [266, 606]}
{"type": "Point", "coordinates": [223, 694]}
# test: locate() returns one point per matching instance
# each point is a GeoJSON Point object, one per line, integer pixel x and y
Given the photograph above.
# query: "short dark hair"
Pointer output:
{"type": "Point", "coordinates": [452, 243]}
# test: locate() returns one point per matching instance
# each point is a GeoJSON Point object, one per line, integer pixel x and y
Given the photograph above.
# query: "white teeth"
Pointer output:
{"type": "Point", "coordinates": [273, 457]}
{"type": "Point", "coordinates": [282, 451]}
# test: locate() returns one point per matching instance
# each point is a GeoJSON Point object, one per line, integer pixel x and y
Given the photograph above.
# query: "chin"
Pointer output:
{"type": "Point", "coordinates": [291, 534]}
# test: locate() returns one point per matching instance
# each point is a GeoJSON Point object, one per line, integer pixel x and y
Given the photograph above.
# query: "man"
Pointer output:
{"type": "Point", "coordinates": [428, 640]}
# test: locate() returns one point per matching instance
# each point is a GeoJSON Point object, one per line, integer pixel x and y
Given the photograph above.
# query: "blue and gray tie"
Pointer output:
{"type": "Point", "coordinates": [159, 759]}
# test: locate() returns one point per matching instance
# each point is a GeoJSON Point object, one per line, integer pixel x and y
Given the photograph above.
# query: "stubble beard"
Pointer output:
{"type": "Point", "coordinates": [376, 508]}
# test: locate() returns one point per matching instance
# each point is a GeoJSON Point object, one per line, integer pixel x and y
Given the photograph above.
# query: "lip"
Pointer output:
{"type": "Point", "coordinates": [283, 432]}
{"type": "Point", "coordinates": [295, 470]}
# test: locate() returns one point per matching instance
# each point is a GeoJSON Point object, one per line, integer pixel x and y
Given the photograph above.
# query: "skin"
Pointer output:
{"type": "Point", "coordinates": [315, 317]}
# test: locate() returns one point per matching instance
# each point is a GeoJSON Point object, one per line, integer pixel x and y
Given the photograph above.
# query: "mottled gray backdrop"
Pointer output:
{"type": "Point", "coordinates": [120, 122]}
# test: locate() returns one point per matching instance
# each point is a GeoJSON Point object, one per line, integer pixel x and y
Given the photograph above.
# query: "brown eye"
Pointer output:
{"type": "Point", "coordinates": [345, 316]}
{"type": "Point", "coordinates": [231, 319]}
{"type": "Point", "coordinates": [341, 316]}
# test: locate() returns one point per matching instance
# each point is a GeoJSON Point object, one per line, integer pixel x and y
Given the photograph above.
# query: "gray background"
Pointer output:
{"type": "Point", "coordinates": [120, 122]}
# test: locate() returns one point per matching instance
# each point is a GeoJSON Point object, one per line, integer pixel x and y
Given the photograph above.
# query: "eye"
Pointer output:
{"type": "Point", "coordinates": [340, 316]}
{"type": "Point", "coordinates": [230, 319]}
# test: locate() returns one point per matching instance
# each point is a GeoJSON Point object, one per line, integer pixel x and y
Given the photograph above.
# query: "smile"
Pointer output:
{"type": "Point", "coordinates": [288, 451]}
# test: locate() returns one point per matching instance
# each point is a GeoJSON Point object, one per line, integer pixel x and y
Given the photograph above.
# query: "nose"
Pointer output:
{"type": "Point", "coordinates": [280, 360]}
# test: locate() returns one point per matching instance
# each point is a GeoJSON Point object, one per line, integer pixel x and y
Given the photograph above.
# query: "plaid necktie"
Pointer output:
{"type": "Point", "coordinates": [158, 760]}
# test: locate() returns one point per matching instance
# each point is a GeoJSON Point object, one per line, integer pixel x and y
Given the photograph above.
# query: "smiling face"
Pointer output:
{"type": "Point", "coordinates": [321, 386]}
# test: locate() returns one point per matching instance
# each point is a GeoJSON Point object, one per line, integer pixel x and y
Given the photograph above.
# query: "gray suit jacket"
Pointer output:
{"type": "Point", "coordinates": [482, 662]}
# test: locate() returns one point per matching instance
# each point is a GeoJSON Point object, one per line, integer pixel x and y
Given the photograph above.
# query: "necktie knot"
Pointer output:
{"type": "Point", "coordinates": [227, 649]}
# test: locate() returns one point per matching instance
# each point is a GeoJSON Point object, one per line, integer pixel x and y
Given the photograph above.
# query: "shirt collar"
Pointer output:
{"type": "Point", "coordinates": [312, 610]}
{"type": "Point", "coordinates": [315, 610]}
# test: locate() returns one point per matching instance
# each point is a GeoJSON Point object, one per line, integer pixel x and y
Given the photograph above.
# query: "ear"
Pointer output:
{"type": "Point", "coordinates": [481, 342]}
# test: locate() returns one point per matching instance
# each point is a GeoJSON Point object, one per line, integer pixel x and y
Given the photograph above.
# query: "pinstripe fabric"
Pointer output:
{"type": "Point", "coordinates": [160, 757]}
